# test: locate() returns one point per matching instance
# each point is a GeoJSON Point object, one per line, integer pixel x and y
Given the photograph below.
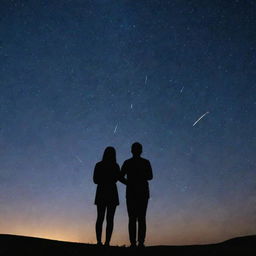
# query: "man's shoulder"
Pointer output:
{"type": "Point", "coordinates": [132, 160]}
{"type": "Point", "coordinates": [127, 161]}
{"type": "Point", "coordinates": [143, 161]}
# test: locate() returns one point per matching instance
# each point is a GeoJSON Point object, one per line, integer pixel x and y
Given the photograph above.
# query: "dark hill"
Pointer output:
{"type": "Point", "coordinates": [21, 245]}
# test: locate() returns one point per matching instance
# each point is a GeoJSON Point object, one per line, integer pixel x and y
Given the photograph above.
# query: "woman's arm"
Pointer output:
{"type": "Point", "coordinates": [122, 174]}
{"type": "Point", "coordinates": [96, 177]}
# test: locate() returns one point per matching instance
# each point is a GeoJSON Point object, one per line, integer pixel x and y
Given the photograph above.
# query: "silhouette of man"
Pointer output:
{"type": "Point", "coordinates": [137, 171]}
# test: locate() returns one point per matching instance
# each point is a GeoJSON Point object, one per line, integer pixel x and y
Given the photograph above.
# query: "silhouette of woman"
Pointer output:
{"type": "Point", "coordinates": [106, 174]}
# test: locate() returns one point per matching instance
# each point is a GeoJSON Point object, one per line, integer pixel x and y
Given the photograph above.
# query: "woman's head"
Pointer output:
{"type": "Point", "coordinates": [109, 154]}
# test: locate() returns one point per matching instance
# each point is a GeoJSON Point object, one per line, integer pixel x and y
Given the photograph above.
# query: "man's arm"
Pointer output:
{"type": "Point", "coordinates": [149, 171]}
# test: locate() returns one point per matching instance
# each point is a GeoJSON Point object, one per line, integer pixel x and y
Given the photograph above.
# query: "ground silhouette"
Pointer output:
{"type": "Point", "coordinates": [21, 245]}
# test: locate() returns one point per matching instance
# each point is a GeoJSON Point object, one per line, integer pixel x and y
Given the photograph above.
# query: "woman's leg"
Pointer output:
{"type": "Point", "coordinates": [100, 218]}
{"type": "Point", "coordinates": [110, 222]}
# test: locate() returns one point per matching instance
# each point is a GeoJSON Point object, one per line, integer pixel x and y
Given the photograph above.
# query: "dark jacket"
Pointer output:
{"type": "Point", "coordinates": [105, 176]}
{"type": "Point", "coordinates": [137, 171]}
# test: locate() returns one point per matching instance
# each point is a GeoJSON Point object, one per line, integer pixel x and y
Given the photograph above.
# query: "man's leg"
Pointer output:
{"type": "Point", "coordinates": [131, 208]}
{"type": "Point", "coordinates": [142, 210]}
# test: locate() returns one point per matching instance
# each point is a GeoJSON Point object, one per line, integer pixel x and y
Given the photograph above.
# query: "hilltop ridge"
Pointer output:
{"type": "Point", "coordinates": [23, 245]}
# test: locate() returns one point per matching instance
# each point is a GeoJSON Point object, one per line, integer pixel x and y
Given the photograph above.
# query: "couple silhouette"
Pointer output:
{"type": "Point", "coordinates": [135, 173]}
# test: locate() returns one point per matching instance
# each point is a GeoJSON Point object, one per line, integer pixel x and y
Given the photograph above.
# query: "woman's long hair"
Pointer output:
{"type": "Point", "coordinates": [109, 155]}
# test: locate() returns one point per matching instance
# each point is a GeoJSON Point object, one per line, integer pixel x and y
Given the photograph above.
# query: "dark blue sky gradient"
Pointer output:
{"type": "Point", "coordinates": [78, 76]}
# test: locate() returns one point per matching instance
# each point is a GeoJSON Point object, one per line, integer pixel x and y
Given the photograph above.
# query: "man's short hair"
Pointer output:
{"type": "Point", "coordinates": [136, 148]}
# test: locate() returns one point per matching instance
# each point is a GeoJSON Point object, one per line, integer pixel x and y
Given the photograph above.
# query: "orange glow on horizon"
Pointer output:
{"type": "Point", "coordinates": [180, 229]}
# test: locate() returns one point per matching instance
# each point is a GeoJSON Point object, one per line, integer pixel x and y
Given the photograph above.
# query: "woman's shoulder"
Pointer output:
{"type": "Point", "coordinates": [114, 165]}
{"type": "Point", "coordinates": [102, 163]}
{"type": "Point", "coordinates": [98, 164]}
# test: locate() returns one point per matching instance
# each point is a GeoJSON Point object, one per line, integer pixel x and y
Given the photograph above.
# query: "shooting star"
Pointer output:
{"type": "Point", "coordinates": [146, 79]}
{"type": "Point", "coordinates": [78, 158]}
{"type": "Point", "coordinates": [200, 118]}
{"type": "Point", "coordinates": [115, 128]}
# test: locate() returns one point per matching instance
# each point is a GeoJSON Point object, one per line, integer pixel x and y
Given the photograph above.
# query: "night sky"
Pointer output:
{"type": "Point", "coordinates": [77, 76]}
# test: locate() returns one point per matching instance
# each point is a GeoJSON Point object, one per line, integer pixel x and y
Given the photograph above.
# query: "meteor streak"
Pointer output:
{"type": "Point", "coordinates": [200, 118]}
{"type": "Point", "coordinates": [78, 158]}
{"type": "Point", "coordinates": [115, 128]}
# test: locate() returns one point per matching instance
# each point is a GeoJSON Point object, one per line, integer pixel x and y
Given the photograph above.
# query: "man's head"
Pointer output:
{"type": "Point", "coordinates": [136, 149]}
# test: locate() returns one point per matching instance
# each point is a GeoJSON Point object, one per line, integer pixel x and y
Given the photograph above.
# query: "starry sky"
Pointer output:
{"type": "Point", "coordinates": [80, 75]}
